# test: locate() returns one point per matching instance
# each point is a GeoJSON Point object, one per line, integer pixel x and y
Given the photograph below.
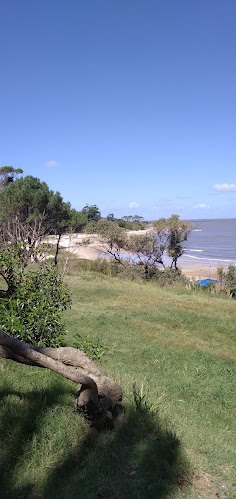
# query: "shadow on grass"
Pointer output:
{"type": "Point", "coordinates": [140, 458]}
{"type": "Point", "coordinates": [21, 416]}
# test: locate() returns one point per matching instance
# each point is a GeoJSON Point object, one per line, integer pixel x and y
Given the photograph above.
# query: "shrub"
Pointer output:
{"type": "Point", "coordinates": [231, 279]}
{"type": "Point", "coordinates": [169, 277]}
{"type": "Point", "coordinates": [33, 311]}
{"type": "Point", "coordinates": [125, 270]}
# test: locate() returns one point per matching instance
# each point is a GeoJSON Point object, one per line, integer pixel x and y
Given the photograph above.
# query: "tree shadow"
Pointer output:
{"type": "Point", "coordinates": [20, 420]}
{"type": "Point", "coordinates": [140, 458]}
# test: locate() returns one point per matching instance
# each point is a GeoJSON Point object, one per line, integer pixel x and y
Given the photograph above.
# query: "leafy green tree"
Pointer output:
{"type": "Point", "coordinates": [79, 220]}
{"type": "Point", "coordinates": [137, 218]}
{"type": "Point", "coordinates": [29, 210]}
{"type": "Point", "coordinates": [110, 217]}
{"type": "Point", "coordinates": [115, 238]}
{"type": "Point", "coordinates": [172, 233]}
{"type": "Point", "coordinates": [92, 211]}
{"type": "Point", "coordinates": [148, 249]}
{"type": "Point", "coordinates": [8, 174]}
{"type": "Point", "coordinates": [127, 218]}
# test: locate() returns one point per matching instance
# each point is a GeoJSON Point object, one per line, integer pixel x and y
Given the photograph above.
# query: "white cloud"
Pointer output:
{"type": "Point", "coordinates": [225, 187]}
{"type": "Point", "coordinates": [201, 206]}
{"type": "Point", "coordinates": [50, 164]}
{"type": "Point", "coordinates": [133, 205]}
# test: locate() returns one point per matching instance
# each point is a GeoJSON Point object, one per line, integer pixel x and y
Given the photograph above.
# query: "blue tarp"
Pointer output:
{"type": "Point", "coordinates": [204, 282]}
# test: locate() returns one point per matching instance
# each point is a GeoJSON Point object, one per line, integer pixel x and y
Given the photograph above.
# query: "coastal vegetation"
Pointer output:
{"type": "Point", "coordinates": [29, 210]}
{"type": "Point", "coordinates": [166, 236]}
{"type": "Point", "coordinates": [166, 346]}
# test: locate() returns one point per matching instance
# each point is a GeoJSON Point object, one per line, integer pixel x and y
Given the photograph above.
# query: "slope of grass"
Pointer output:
{"type": "Point", "coordinates": [178, 347]}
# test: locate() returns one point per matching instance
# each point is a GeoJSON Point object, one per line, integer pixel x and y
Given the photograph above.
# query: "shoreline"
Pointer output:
{"type": "Point", "coordinates": [199, 270]}
{"type": "Point", "coordinates": [90, 247]}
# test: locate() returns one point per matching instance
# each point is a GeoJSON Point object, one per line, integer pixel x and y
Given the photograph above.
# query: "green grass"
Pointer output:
{"type": "Point", "coordinates": [178, 345]}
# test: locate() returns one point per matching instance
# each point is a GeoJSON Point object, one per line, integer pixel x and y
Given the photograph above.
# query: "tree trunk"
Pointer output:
{"type": "Point", "coordinates": [57, 249]}
{"type": "Point", "coordinates": [98, 396]}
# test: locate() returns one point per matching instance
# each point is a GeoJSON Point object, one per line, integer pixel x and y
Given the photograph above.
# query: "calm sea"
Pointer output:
{"type": "Point", "coordinates": [213, 240]}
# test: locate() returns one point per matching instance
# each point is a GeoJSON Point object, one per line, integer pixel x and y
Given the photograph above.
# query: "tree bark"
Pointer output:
{"type": "Point", "coordinates": [57, 249]}
{"type": "Point", "coordinates": [98, 397]}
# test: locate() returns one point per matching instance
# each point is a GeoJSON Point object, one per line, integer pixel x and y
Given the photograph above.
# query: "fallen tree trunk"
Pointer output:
{"type": "Point", "coordinates": [98, 396]}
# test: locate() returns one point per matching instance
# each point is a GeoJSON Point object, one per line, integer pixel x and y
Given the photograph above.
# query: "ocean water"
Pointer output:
{"type": "Point", "coordinates": [212, 240]}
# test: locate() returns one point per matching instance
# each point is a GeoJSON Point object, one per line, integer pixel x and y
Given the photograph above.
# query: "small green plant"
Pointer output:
{"type": "Point", "coordinates": [92, 348]}
{"type": "Point", "coordinates": [141, 402]}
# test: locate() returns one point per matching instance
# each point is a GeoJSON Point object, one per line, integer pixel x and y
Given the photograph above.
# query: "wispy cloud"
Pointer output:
{"type": "Point", "coordinates": [133, 204]}
{"type": "Point", "coordinates": [202, 205]}
{"type": "Point", "coordinates": [51, 164]}
{"type": "Point", "coordinates": [224, 187]}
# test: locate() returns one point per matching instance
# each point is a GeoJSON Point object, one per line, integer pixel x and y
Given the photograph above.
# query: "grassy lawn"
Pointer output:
{"type": "Point", "coordinates": [177, 346]}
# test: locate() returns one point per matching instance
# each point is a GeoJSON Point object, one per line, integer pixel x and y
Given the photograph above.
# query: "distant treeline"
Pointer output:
{"type": "Point", "coordinates": [29, 209]}
{"type": "Point", "coordinates": [90, 215]}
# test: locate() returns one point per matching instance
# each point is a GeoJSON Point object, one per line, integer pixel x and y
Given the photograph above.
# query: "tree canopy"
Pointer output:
{"type": "Point", "coordinates": [8, 174]}
{"type": "Point", "coordinates": [165, 237]}
{"type": "Point", "coordinates": [92, 211]}
{"type": "Point", "coordinates": [29, 210]}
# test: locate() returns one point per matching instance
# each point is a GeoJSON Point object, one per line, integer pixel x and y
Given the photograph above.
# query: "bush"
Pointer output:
{"type": "Point", "coordinates": [231, 279]}
{"type": "Point", "coordinates": [169, 277]}
{"type": "Point", "coordinates": [227, 280]}
{"type": "Point", "coordinates": [125, 270]}
{"type": "Point", "coordinates": [32, 312]}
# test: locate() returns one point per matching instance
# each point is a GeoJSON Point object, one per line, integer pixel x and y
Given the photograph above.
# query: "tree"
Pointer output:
{"type": "Point", "coordinates": [92, 211]}
{"type": "Point", "coordinates": [172, 233]}
{"type": "Point", "coordinates": [127, 218]}
{"type": "Point", "coordinates": [98, 396]}
{"type": "Point", "coordinates": [110, 217]}
{"type": "Point", "coordinates": [31, 310]}
{"type": "Point", "coordinates": [137, 218]}
{"type": "Point", "coordinates": [113, 236]}
{"type": "Point", "coordinates": [79, 220]}
{"type": "Point", "coordinates": [29, 210]}
{"type": "Point", "coordinates": [148, 249]}
{"type": "Point", "coordinates": [8, 174]}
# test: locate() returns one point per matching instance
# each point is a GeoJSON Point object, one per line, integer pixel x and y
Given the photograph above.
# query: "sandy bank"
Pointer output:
{"type": "Point", "coordinates": [199, 270]}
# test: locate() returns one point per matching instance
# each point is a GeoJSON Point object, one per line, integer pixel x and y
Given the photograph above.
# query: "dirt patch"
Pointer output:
{"type": "Point", "coordinates": [204, 485]}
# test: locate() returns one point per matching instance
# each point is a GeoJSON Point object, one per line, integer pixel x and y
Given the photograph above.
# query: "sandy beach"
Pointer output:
{"type": "Point", "coordinates": [90, 246]}
{"type": "Point", "coordinates": [199, 270]}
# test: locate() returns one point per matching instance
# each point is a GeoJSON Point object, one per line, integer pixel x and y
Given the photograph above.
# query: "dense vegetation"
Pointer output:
{"type": "Point", "coordinates": [29, 210]}
{"type": "Point", "coordinates": [31, 305]}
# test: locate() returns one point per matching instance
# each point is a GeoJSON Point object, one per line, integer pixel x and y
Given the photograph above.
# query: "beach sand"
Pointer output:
{"type": "Point", "coordinates": [199, 270]}
{"type": "Point", "coordinates": [90, 246]}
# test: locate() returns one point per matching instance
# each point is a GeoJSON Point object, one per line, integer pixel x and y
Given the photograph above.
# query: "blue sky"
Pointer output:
{"type": "Point", "coordinates": [127, 104]}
